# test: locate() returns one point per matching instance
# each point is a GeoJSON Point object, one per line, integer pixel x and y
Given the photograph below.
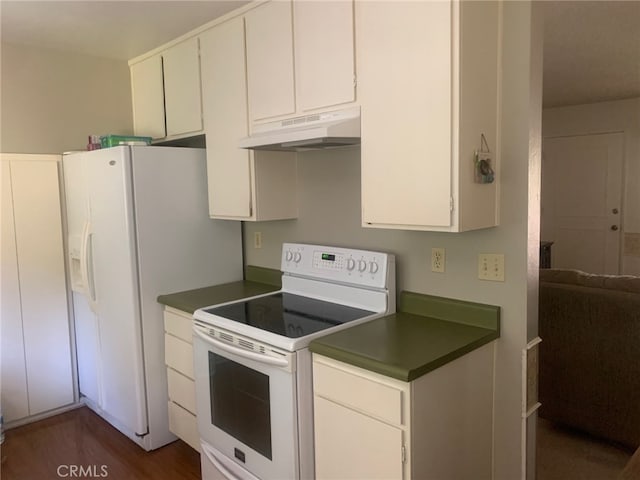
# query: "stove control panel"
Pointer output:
{"type": "Point", "coordinates": [360, 267]}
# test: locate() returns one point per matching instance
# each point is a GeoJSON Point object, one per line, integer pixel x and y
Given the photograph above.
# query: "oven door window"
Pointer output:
{"type": "Point", "coordinates": [240, 403]}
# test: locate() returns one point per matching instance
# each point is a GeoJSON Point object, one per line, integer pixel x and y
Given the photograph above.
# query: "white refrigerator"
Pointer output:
{"type": "Point", "coordinates": [138, 227]}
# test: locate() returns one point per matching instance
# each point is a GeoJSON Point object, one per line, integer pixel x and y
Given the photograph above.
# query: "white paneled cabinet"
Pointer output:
{"type": "Point", "coordinates": [324, 54]}
{"type": "Point", "coordinates": [270, 78]}
{"type": "Point", "coordinates": [300, 57]}
{"type": "Point", "coordinates": [180, 377]}
{"type": "Point", "coordinates": [37, 373]}
{"type": "Point", "coordinates": [368, 439]}
{"type": "Point", "coordinates": [243, 185]}
{"type": "Point", "coordinates": [428, 90]}
{"type": "Point", "coordinates": [182, 98]}
{"type": "Point", "coordinates": [147, 95]}
{"type": "Point", "coordinates": [166, 92]}
{"type": "Point", "coordinates": [368, 425]}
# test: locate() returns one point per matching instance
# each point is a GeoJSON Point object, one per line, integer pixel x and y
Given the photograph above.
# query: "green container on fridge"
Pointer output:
{"type": "Point", "coordinates": [107, 141]}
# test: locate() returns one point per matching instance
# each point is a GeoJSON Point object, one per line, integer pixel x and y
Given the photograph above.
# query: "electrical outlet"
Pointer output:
{"type": "Point", "coordinates": [491, 267]}
{"type": "Point", "coordinates": [437, 260]}
{"type": "Point", "coordinates": [257, 240]}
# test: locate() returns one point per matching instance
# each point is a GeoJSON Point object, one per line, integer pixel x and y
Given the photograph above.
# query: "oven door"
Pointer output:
{"type": "Point", "coordinates": [246, 403]}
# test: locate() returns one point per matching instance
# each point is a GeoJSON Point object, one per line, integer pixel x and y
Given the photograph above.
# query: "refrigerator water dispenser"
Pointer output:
{"type": "Point", "coordinates": [75, 263]}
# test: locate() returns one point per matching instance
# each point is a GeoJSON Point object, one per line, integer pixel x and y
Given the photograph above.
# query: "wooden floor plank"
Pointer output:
{"type": "Point", "coordinates": [50, 448]}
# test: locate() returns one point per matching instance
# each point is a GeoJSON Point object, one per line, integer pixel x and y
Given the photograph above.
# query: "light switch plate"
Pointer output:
{"type": "Point", "coordinates": [491, 267]}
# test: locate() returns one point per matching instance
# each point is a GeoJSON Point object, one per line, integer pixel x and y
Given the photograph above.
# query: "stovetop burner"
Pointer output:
{"type": "Point", "coordinates": [289, 315]}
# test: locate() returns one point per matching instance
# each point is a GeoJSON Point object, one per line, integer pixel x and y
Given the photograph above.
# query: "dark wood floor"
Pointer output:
{"type": "Point", "coordinates": [46, 450]}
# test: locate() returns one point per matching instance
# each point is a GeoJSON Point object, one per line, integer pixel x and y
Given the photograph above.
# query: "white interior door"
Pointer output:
{"type": "Point", "coordinates": [581, 201]}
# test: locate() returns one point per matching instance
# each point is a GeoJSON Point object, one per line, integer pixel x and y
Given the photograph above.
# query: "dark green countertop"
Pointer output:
{"type": "Point", "coordinates": [258, 280]}
{"type": "Point", "coordinates": [425, 334]}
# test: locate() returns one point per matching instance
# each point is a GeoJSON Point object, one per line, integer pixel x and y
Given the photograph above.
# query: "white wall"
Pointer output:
{"type": "Point", "coordinates": [329, 213]}
{"type": "Point", "coordinates": [51, 101]}
{"type": "Point", "coordinates": [609, 117]}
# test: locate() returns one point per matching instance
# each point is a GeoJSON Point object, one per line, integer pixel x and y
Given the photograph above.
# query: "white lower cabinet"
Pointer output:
{"type": "Point", "coordinates": [438, 426]}
{"type": "Point", "coordinates": [183, 424]}
{"type": "Point", "coordinates": [182, 387]}
{"type": "Point", "coordinates": [37, 372]}
{"type": "Point", "coordinates": [372, 450]}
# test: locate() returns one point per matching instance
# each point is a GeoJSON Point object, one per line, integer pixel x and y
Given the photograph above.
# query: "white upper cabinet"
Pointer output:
{"type": "Point", "coordinates": [225, 113]}
{"type": "Point", "coordinates": [147, 93]}
{"type": "Point", "coordinates": [166, 92]}
{"type": "Point", "coordinates": [300, 57]}
{"type": "Point", "coordinates": [270, 60]}
{"type": "Point", "coordinates": [427, 86]}
{"type": "Point", "coordinates": [243, 185]}
{"type": "Point", "coordinates": [182, 88]}
{"type": "Point", "coordinates": [324, 53]}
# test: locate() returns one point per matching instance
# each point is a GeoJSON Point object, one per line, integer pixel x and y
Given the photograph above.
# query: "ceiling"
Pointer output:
{"type": "Point", "coordinates": [592, 48]}
{"type": "Point", "coordinates": [115, 29]}
{"type": "Point", "coordinates": [591, 51]}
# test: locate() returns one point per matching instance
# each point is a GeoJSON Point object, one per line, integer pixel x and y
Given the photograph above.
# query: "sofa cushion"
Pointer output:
{"type": "Point", "coordinates": [589, 374]}
{"type": "Point", "coordinates": [623, 283]}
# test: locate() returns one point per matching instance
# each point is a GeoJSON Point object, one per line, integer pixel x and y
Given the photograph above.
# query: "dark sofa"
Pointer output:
{"type": "Point", "coordinates": [590, 353]}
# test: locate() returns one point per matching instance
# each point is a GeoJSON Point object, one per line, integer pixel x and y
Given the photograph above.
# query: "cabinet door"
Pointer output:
{"type": "Point", "coordinates": [324, 53]}
{"type": "Point", "coordinates": [148, 98]}
{"type": "Point", "coordinates": [224, 98]}
{"type": "Point", "coordinates": [14, 376]}
{"type": "Point", "coordinates": [404, 86]}
{"type": "Point", "coordinates": [270, 60]}
{"type": "Point", "coordinates": [181, 65]}
{"type": "Point", "coordinates": [350, 445]}
{"type": "Point", "coordinates": [45, 315]}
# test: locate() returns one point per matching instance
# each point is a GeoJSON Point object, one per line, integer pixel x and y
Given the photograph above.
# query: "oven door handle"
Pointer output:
{"type": "Point", "coordinates": [241, 352]}
{"type": "Point", "coordinates": [217, 463]}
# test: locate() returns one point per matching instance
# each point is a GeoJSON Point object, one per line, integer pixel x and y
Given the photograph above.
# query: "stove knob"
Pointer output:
{"type": "Point", "coordinates": [373, 267]}
{"type": "Point", "coordinates": [297, 256]}
{"type": "Point", "coordinates": [351, 264]}
{"type": "Point", "coordinates": [288, 256]}
{"type": "Point", "coordinates": [362, 265]}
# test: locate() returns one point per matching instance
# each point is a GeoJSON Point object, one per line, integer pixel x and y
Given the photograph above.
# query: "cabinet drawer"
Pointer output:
{"type": "Point", "coordinates": [178, 355]}
{"type": "Point", "coordinates": [182, 390]}
{"type": "Point", "coordinates": [184, 424]}
{"type": "Point", "coordinates": [178, 324]}
{"type": "Point", "coordinates": [360, 393]}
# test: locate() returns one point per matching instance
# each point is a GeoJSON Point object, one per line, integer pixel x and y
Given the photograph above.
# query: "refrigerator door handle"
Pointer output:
{"type": "Point", "coordinates": [84, 266]}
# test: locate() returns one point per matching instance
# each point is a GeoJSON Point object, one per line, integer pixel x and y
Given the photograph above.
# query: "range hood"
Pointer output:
{"type": "Point", "coordinates": [309, 132]}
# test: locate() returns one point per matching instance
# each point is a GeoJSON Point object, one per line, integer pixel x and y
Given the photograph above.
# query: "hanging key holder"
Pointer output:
{"type": "Point", "coordinates": [482, 163]}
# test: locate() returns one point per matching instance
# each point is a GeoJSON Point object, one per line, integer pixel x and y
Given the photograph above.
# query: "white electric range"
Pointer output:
{"type": "Point", "coordinates": [253, 366]}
